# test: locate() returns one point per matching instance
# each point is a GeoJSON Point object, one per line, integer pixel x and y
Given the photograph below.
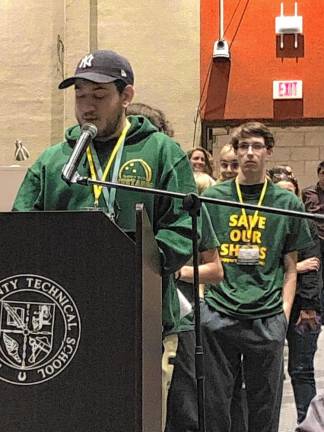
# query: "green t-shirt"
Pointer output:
{"type": "Point", "coordinates": [149, 159]}
{"type": "Point", "coordinates": [208, 241]}
{"type": "Point", "coordinates": [254, 291]}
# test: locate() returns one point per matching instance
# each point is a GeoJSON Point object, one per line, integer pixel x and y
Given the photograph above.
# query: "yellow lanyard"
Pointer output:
{"type": "Point", "coordinates": [97, 190]}
{"type": "Point", "coordinates": [255, 216]}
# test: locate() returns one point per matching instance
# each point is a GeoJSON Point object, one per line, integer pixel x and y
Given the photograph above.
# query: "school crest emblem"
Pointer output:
{"type": "Point", "coordinates": [39, 329]}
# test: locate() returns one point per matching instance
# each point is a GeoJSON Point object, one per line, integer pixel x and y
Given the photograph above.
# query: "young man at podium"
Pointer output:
{"type": "Point", "coordinates": [127, 150]}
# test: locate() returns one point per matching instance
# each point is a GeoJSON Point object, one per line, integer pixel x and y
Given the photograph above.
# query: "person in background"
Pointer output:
{"type": "Point", "coordinates": [154, 115]}
{"type": "Point", "coordinates": [203, 181]}
{"type": "Point", "coordinates": [228, 164]}
{"type": "Point", "coordinates": [313, 198]}
{"type": "Point", "coordinates": [178, 343]}
{"type": "Point", "coordinates": [178, 361]}
{"type": "Point", "coordinates": [314, 421]}
{"type": "Point", "coordinates": [201, 160]}
{"type": "Point", "coordinates": [247, 313]}
{"type": "Point", "coordinates": [182, 389]}
{"type": "Point", "coordinates": [281, 169]}
{"type": "Point", "coordinates": [304, 324]}
{"type": "Point", "coordinates": [278, 171]}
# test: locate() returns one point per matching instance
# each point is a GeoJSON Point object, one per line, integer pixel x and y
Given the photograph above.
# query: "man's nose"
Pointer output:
{"type": "Point", "coordinates": [88, 104]}
{"type": "Point", "coordinates": [250, 150]}
{"type": "Point", "coordinates": [89, 110]}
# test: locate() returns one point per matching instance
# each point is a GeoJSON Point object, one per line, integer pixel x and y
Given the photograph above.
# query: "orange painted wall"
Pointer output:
{"type": "Point", "coordinates": [242, 88]}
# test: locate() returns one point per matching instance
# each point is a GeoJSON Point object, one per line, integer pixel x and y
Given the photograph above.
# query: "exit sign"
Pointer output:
{"type": "Point", "coordinates": [288, 89]}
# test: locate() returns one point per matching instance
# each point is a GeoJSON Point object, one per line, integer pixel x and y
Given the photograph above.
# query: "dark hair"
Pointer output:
{"type": "Point", "coordinates": [279, 173]}
{"type": "Point", "coordinates": [156, 117]}
{"type": "Point", "coordinates": [120, 85]}
{"type": "Point", "coordinates": [320, 166]}
{"type": "Point", "coordinates": [251, 129]}
{"type": "Point", "coordinates": [208, 159]}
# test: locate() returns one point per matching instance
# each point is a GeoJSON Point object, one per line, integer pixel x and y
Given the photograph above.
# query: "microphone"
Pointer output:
{"type": "Point", "coordinates": [69, 171]}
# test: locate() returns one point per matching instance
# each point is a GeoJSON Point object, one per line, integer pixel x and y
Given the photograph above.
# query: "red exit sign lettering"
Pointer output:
{"type": "Point", "coordinates": [288, 89]}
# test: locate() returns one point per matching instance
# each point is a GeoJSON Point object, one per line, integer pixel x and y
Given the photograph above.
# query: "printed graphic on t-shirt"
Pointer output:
{"type": "Point", "coordinates": [244, 230]}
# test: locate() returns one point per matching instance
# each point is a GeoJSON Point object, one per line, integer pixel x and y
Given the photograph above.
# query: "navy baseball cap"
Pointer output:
{"type": "Point", "coordinates": [103, 67]}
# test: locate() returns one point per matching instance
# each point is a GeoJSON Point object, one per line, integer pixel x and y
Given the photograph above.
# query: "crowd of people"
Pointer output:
{"type": "Point", "coordinates": [250, 260]}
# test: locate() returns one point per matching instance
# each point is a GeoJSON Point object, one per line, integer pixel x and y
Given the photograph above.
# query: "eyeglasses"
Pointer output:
{"type": "Point", "coordinates": [234, 165]}
{"type": "Point", "coordinates": [254, 146]}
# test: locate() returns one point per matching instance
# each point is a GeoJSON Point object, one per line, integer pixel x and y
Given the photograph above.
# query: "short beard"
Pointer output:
{"type": "Point", "coordinates": [111, 127]}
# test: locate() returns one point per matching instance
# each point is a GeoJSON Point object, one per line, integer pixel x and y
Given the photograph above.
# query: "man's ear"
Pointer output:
{"type": "Point", "coordinates": [127, 95]}
{"type": "Point", "coordinates": [269, 151]}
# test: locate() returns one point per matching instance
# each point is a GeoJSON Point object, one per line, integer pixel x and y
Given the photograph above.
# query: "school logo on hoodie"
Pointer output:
{"type": "Point", "coordinates": [136, 172]}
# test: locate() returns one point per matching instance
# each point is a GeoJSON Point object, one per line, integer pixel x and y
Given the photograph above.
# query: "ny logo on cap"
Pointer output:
{"type": "Point", "coordinates": [86, 61]}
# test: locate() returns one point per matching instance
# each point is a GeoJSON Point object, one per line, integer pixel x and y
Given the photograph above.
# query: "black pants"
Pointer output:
{"type": "Point", "coordinates": [239, 409]}
{"type": "Point", "coordinates": [302, 348]}
{"type": "Point", "coordinates": [225, 340]}
{"type": "Point", "coordinates": [182, 411]}
{"type": "Point", "coordinates": [261, 343]}
{"type": "Point", "coordinates": [322, 289]}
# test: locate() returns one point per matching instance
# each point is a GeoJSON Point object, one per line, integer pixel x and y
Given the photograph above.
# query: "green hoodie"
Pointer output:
{"type": "Point", "coordinates": [150, 159]}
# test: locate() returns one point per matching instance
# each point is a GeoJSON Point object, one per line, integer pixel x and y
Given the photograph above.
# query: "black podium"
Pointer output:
{"type": "Point", "coordinates": [80, 317]}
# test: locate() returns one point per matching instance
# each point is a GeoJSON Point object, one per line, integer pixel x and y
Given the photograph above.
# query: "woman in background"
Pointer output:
{"type": "Point", "coordinates": [201, 160]}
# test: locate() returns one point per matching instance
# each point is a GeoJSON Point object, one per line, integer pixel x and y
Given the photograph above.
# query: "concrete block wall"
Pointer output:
{"type": "Point", "coordinates": [300, 147]}
{"type": "Point", "coordinates": [161, 40]}
{"type": "Point", "coordinates": [42, 43]}
{"type": "Point", "coordinates": [31, 108]}
{"type": "Point", "coordinates": [78, 31]}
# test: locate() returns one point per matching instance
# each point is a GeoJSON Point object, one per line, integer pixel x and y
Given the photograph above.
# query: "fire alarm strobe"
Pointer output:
{"type": "Point", "coordinates": [286, 24]}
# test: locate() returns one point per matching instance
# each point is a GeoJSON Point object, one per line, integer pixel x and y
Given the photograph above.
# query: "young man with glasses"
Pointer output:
{"type": "Point", "coordinates": [247, 313]}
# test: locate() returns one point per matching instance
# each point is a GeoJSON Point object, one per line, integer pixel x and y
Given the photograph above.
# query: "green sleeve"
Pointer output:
{"type": "Point", "coordinates": [209, 239]}
{"type": "Point", "coordinates": [173, 224]}
{"type": "Point", "coordinates": [30, 196]}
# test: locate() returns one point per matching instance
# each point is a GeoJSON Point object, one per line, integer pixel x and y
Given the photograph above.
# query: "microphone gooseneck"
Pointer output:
{"type": "Point", "coordinates": [69, 171]}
